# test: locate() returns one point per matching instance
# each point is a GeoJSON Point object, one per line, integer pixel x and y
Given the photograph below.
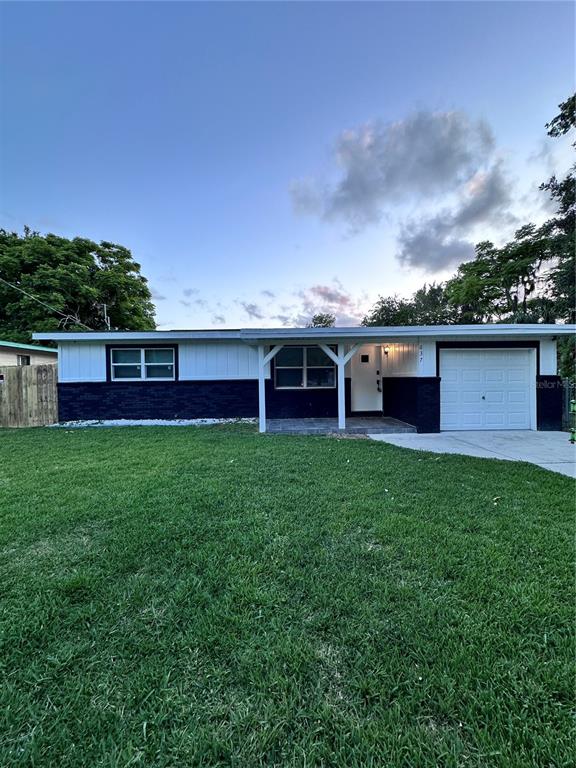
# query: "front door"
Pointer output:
{"type": "Point", "coordinates": [367, 379]}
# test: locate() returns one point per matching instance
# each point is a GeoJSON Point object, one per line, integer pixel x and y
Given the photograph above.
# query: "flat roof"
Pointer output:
{"type": "Point", "coordinates": [35, 347]}
{"type": "Point", "coordinates": [351, 334]}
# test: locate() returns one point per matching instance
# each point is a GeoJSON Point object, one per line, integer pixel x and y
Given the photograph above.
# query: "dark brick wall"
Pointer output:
{"type": "Point", "coordinates": [549, 403]}
{"type": "Point", "coordinates": [303, 403]}
{"type": "Point", "coordinates": [158, 400]}
{"type": "Point", "coordinates": [191, 400]}
{"type": "Point", "coordinates": [415, 400]}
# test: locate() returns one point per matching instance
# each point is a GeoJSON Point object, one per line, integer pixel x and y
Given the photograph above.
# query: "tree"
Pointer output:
{"type": "Point", "coordinates": [72, 279]}
{"type": "Point", "coordinates": [560, 231]}
{"type": "Point", "coordinates": [389, 310]}
{"type": "Point", "coordinates": [431, 306]}
{"type": "Point", "coordinates": [322, 320]}
{"type": "Point", "coordinates": [428, 306]}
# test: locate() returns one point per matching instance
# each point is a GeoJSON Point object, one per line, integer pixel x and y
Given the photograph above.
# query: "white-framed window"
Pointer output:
{"type": "Point", "coordinates": [23, 359]}
{"type": "Point", "coordinates": [304, 368]}
{"type": "Point", "coordinates": [137, 364]}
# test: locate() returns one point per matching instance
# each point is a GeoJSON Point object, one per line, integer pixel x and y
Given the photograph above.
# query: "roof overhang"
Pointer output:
{"type": "Point", "coordinates": [376, 334]}
{"type": "Point", "coordinates": [33, 347]}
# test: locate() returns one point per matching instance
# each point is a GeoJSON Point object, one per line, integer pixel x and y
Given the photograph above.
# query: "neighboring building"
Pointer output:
{"type": "Point", "coordinates": [432, 377]}
{"type": "Point", "coordinates": [12, 353]}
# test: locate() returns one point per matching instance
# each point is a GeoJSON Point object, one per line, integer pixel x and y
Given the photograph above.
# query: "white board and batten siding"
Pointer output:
{"type": "Point", "coordinates": [84, 361]}
{"type": "Point", "coordinates": [81, 362]}
{"type": "Point", "coordinates": [401, 360]}
{"type": "Point", "coordinates": [204, 362]}
{"type": "Point", "coordinates": [487, 389]}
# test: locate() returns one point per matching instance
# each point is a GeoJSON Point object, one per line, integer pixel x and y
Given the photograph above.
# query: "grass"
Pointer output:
{"type": "Point", "coordinates": [212, 597]}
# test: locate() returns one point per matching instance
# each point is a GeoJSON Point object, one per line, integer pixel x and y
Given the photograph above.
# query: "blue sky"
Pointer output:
{"type": "Point", "coordinates": [267, 160]}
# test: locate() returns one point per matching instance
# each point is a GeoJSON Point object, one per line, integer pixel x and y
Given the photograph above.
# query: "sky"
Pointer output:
{"type": "Point", "coordinates": [266, 160]}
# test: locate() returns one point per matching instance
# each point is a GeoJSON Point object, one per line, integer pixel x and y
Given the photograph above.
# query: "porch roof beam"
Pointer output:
{"type": "Point", "coordinates": [351, 352]}
{"type": "Point", "coordinates": [331, 354]}
{"type": "Point", "coordinates": [272, 354]}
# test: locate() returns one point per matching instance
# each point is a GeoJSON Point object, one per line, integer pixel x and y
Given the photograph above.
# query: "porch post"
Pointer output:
{"type": "Point", "coordinates": [341, 388]}
{"type": "Point", "coordinates": [261, 390]}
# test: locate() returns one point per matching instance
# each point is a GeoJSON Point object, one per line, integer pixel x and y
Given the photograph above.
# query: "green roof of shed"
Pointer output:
{"type": "Point", "coordinates": [35, 347]}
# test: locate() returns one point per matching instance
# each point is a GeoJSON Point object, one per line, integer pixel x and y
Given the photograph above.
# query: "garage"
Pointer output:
{"type": "Point", "coordinates": [487, 389]}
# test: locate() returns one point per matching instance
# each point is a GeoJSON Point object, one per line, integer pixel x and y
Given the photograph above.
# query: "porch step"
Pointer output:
{"type": "Point", "coordinates": [355, 425]}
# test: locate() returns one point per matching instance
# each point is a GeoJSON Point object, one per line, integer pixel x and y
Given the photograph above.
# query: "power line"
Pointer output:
{"type": "Point", "coordinates": [52, 309]}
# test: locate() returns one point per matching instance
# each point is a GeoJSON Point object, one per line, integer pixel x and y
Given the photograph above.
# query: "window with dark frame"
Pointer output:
{"type": "Point", "coordinates": [304, 368]}
{"type": "Point", "coordinates": [23, 360]}
{"type": "Point", "coordinates": [142, 364]}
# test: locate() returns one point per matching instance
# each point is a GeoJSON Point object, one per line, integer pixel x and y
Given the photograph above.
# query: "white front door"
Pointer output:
{"type": "Point", "coordinates": [367, 379]}
{"type": "Point", "coordinates": [487, 389]}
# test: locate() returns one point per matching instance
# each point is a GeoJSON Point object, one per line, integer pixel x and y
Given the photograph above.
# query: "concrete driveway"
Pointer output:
{"type": "Point", "coordinates": [550, 450]}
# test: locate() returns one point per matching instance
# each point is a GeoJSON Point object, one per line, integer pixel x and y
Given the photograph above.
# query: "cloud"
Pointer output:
{"type": "Point", "coordinates": [185, 303]}
{"type": "Point", "coordinates": [384, 164]}
{"type": "Point", "coordinates": [441, 241]}
{"type": "Point", "coordinates": [331, 298]}
{"type": "Point", "coordinates": [253, 311]}
{"type": "Point", "coordinates": [332, 295]}
{"type": "Point", "coordinates": [156, 295]}
{"type": "Point", "coordinates": [190, 292]}
{"type": "Point", "coordinates": [269, 294]}
{"type": "Point", "coordinates": [218, 319]}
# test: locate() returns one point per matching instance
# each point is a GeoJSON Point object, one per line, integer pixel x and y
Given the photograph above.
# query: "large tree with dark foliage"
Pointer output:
{"type": "Point", "coordinates": [322, 320]}
{"type": "Point", "coordinates": [49, 282]}
{"type": "Point", "coordinates": [428, 306]}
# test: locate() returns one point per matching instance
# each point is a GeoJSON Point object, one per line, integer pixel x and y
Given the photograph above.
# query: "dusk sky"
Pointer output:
{"type": "Point", "coordinates": [267, 160]}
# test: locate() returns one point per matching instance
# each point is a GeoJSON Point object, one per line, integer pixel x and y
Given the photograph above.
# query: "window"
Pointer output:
{"type": "Point", "coordinates": [23, 360]}
{"type": "Point", "coordinates": [304, 367]}
{"type": "Point", "coordinates": [364, 358]}
{"type": "Point", "coordinates": [131, 364]}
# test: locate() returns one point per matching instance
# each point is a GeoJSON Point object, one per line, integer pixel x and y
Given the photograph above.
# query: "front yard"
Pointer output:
{"type": "Point", "coordinates": [213, 597]}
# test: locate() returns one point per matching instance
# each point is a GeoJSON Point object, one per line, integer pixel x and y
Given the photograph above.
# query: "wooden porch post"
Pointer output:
{"type": "Point", "coordinates": [261, 390]}
{"type": "Point", "coordinates": [341, 387]}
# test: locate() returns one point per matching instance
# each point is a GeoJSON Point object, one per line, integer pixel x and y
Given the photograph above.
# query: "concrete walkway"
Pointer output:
{"type": "Point", "coordinates": [550, 450]}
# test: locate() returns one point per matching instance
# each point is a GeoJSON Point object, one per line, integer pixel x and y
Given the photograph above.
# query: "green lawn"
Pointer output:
{"type": "Point", "coordinates": [213, 597]}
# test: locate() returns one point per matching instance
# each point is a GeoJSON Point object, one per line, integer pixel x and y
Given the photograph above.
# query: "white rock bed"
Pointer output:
{"type": "Point", "coordinates": [149, 423]}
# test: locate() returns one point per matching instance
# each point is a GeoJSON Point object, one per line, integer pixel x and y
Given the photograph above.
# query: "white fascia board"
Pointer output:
{"type": "Point", "coordinates": [382, 334]}
{"type": "Point", "coordinates": [112, 337]}
{"type": "Point", "coordinates": [376, 334]}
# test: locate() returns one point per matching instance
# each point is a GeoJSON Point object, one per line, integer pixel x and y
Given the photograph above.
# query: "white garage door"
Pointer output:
{"type": "Point", "coordinates": [488, 389]}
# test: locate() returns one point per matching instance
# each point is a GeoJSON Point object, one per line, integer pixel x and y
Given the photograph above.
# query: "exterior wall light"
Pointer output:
{"type": "Point", "coordinates": [386, 349]}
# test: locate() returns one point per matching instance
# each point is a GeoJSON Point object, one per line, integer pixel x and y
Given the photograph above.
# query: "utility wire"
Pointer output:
{"type": "Point", "coordinates": [52, 309]}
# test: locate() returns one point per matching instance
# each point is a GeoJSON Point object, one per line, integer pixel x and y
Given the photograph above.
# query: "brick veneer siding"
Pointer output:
{"type": "Point", "coordinates": [158, 400]}
{"type": "Point", "coordinates": [549, 394]}
{"type": "Point", "coordinates": [303, 403]}
{"type": "Point", "coordinates": [413, 399]}
{"type": "Point", "coordinates": [191, 400]}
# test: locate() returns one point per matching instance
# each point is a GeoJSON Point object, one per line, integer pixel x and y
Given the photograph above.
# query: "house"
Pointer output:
{"type": "Point", "coordinates": [13, 353]}
{"type": "Point", "coordinates": [432, 377]}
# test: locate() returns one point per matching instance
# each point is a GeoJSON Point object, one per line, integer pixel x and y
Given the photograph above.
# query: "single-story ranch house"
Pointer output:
{"type": "Point", "coordinates": [14, 353]}
{"type": "Point", "coordinates": [431, 377]}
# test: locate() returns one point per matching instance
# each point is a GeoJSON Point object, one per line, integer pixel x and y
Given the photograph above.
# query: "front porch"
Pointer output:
{"type": "Point", "coordinates": [355, 425]}
{"type": "Point", "coordinates": [353, 386]}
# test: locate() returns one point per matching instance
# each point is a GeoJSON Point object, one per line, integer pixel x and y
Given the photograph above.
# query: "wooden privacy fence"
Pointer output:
{"type": "Point", "coordinates": [28, 395]}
